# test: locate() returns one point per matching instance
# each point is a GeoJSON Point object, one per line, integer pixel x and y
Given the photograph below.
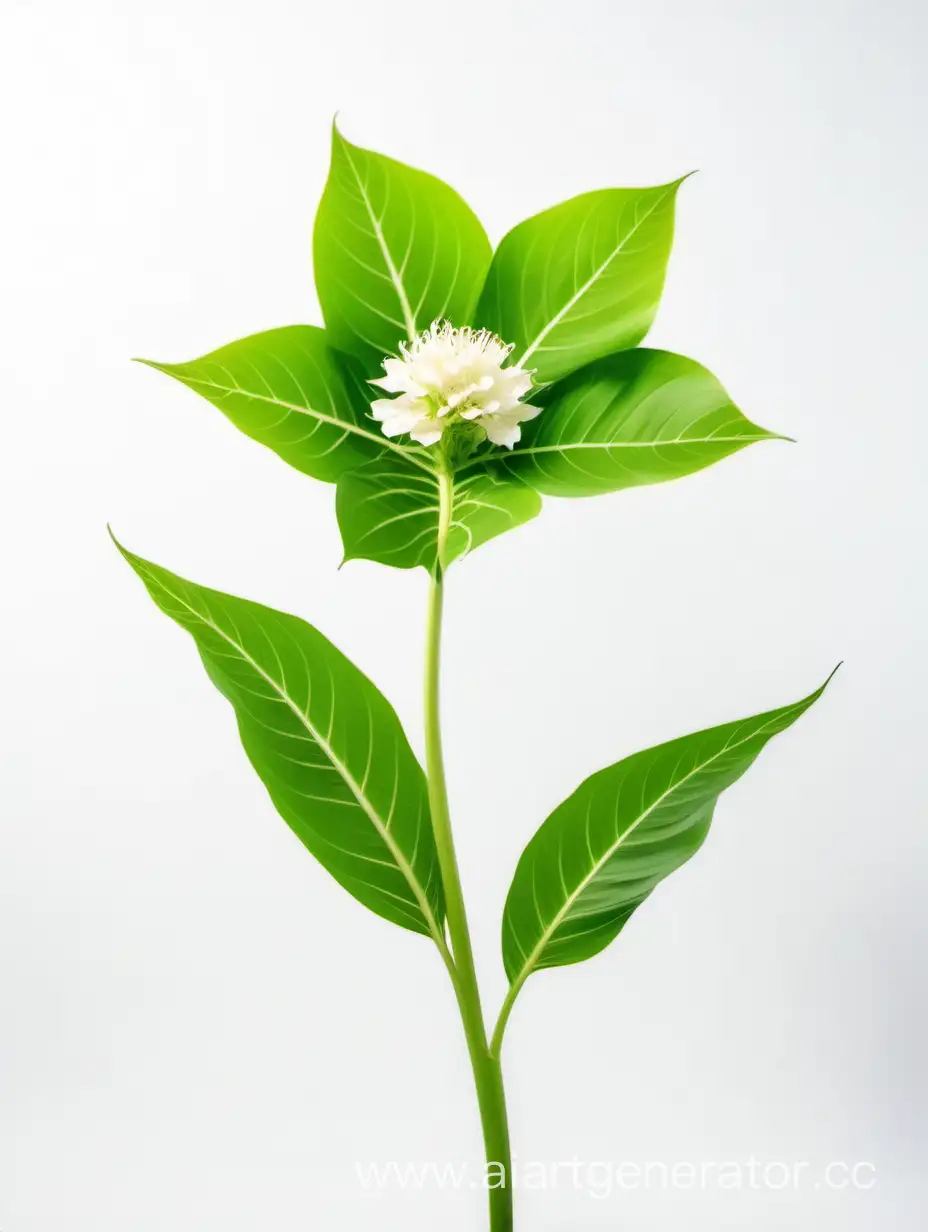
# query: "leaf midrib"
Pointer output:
{"type": "Point", "coordinates": [408, 317]}
{"type": "Point", "coordinates": [569, 446]}
{"type": "Point", "coordinates": [295, 407]}
{"type": "Point", "coordinates": [349, 779]}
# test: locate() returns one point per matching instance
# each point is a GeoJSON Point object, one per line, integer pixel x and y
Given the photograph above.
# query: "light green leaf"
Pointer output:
{"type": "Point", "coordinates": [581, 279]}
{"type": "Point", "coordinates": [394, 250]}
{"type": "Point", "coordinates": [288, 389]}
{"type": "Point", "coordinates": [601, 853]}
{"type": "Point", "coordinates": [325, 742]}
{"type": "Point", "coordinates": [390, 510]}
{"type": "Point", "coordinates": [633, 418]}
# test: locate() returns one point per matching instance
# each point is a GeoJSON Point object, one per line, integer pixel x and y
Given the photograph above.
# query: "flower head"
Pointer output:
{"type": "Point", "coordinates": [447, 375]}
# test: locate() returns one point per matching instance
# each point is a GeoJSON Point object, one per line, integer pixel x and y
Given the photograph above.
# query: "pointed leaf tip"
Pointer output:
{"type": "Point", "coordinates": [541, 296]}
{"type": "Point", "coordinates": [394, 248]}
{"type": "Point", "coordinates": [291, 391]}
{"type": "Point", "coordinates": [831, 675]}
{"type": "Point", "coordinates": [112, 535]}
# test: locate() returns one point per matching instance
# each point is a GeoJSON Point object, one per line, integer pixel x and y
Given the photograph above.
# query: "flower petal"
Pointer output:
{"type": "Point", "coordinates": [428, 431]}
{"type": "Point", "coordinates": [501, 430]}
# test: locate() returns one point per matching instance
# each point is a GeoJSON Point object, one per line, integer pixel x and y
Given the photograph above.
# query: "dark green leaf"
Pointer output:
{"type": "Point", "coordinates": [394, 250]}
{"type": "Point", "coordinates": [582, 279]}
{"type": "Point", "coordinates": [325, 742]}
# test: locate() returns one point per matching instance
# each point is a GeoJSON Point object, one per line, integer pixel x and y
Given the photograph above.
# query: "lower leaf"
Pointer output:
{"type": "Point", "coordinates": [325, 742]}
{"type": "Point", "coordinates": [601, 853]}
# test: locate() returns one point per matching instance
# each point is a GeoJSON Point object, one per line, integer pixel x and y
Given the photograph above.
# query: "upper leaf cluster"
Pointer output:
{"type": "Point", "coordinates": [574, 290]}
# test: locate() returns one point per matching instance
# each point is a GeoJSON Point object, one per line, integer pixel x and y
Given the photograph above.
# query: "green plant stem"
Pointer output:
{"type": "Point", "coordinates": [488, 1076]}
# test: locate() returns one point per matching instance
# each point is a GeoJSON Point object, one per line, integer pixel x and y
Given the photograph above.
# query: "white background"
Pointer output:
{"type": "Point", "coordinates": [199, 1029]}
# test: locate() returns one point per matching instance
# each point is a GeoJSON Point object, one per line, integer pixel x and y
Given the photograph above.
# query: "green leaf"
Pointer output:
{"type": "Point", "coordinates": [601, 853]}
{"type": "Point", "coordinates": [632, 418]}
{"type": "Point", "coordinates": [288, 389]}
{"type": "Point", "coordinates": [394, 250]}
{"type": "Point", "coordinates": [582, 279]}
{"type": "Point", "coordinates": [390, 510]}
{"type": "Point", "coordinates": [325, 742]}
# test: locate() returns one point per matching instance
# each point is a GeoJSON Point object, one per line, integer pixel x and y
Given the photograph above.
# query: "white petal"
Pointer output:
{"type": "Point", "coordinates": [460, 395]}
{"type": "Point", "coordinates": [390, 408]}
{"type": "Point", "coordinates": [428, 432]}
{"type": "Point", "coordinates": [501, 431]}
{"type": "Point", "coordinates": [397, 380]}
{"type": "Point", "coordinates": [429, 376]}
{"type": "Point", "coordinates": [382, 408]}
{"type": "Point", "coordinates": [394, 427]}
{"type": "Point", "coordinates": [399, 415]}
{"type": "Point", "coordinates": [515, 382]}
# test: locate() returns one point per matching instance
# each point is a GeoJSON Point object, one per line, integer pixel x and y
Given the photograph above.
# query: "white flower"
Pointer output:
{"type": "Point", "coordinates": [447, 375]}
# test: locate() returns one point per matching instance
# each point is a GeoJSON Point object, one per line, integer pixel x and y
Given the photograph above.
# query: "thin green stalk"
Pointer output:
{"type": "Point", "coordinates": [496, 1043]}
{"type": "Point", "coordinates": [488, 1076]}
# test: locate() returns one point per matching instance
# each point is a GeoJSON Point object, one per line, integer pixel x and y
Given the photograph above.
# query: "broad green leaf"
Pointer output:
{"type": "Point", "coordinates": [580, 280]}
{"type": "Point", "coordinates": [601, 853]}
{"type": "Point", "coordinates": [288, 389]}
{"type": "Point", "coordinates": [636, 417]}
{"type": "Point", "coordinates": [394, 249]}
{"type": "Point", "coordinates": [325, 742]}
{"type": "Point", "coordinates": [390, 511]}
